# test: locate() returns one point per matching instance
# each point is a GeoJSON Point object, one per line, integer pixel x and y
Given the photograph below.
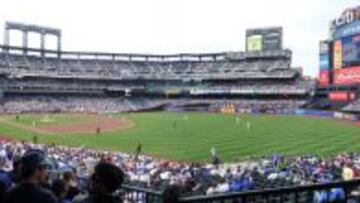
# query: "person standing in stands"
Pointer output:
{"type": "Point", "coordinates": [106, 179]}
{"type": "Point", "coordinates": [34, 172]}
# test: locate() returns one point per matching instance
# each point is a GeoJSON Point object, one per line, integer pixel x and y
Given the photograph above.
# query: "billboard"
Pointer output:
{"type": "Point", "coordinates": [271, 39]}
{"type": "Point", "coordinates": [347, 76]}
{"type": "Point", "coordinates": [324, 47]}
{"type": "Point", "coordinates": [347, 30]}
{"type": "Point", "coordinates": [324, 62]}
{"type": "Point", "coordinates": [341, 96]}
{"type": "Point", "coordinates": [254, 43]}
{"type": "Point", "coordinates": [338, 96]}
{"type": "Point", "coordinates": [324, 78]}
{"type": "Point", "coordinates": [346, 24]}
{"type": "Point", "coordinates": [351, 51]}
{"type": "Point", "coordinates": [337, 54]}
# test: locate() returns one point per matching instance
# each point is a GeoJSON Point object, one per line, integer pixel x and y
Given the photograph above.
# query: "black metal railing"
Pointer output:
{"type": "Point", "coordinates": [330, 192]}
{"type": "Point", "coordinates": [347, 192]}
{"type": "Point", "coordinates": [133, 194]}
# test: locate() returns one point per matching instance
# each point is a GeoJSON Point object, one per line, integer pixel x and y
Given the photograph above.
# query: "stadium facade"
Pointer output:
{"type": "Point", "coordinates": [261, 78]}
{"type": "Point", "coordinates": [339, 62]}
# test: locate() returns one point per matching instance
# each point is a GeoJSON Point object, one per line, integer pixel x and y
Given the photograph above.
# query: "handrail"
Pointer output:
{"type": "Point", "coordinates": [282, 190]}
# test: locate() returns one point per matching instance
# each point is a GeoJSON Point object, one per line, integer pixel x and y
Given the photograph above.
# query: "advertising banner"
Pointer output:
{"type": "Point", "coordinates": [347, 23]}
{"type": "Point", "coordinates": [324, 47]}
{"type": "Point", "coordinates": [307, 112]}
{"type": "Point", "coordinates": [324, 62]}
{"type": "Point", "coordinates": [337, 54]}
{"type": "Point", "coordinates": [339, 96]}
{"type": "Point", "coordinates": [324, 78]}
{"type": "Point", "coordinates": [347, 30]}
{"type": "Point", "coordinates": [347, 76]}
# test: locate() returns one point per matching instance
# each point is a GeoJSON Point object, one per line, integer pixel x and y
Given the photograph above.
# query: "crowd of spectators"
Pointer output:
{"type": "Point", "coordinates": [353, 106]}
{"type": "Point", "coordinates": [107, 68]}
{"type": "Point", "coordinates": [265, 106]}
{"type": "Point", "coordinates": [117, 105]}
{"type": "Point", "coordinates": [75, 104]}
{"type": "Point", "coordinates": [62, 105]}
{"type": "Point", "coordinates": [41, 174]}
{"type": "Point", "coordinates": [29, 171]}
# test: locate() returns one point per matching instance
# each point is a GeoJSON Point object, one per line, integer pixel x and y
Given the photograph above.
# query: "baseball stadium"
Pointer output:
{"type": "Point", "coordinates": [229, 126]}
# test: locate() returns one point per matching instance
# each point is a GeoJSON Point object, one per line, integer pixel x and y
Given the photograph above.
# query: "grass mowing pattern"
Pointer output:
{"type": "Point", "coordinates": [189, 136]}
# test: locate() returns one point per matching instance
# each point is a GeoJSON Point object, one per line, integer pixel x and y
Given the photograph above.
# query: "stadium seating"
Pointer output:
{"type": "Point", "coordinates": [138, 77]}
{"type": "Point", "coordinates": [195, 179]}
{"type": "Point", "coordinates": [30, 65]}
{"type": "Point", "coordinates": [353, 106]}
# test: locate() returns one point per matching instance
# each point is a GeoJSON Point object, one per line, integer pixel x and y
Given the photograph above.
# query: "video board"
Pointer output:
{"type": "Point", "coordinates": [254, 43]}
{"type": "Point", "coordinates": [264, 39]}
{"type": "Point", "coordinates": [351, 51]}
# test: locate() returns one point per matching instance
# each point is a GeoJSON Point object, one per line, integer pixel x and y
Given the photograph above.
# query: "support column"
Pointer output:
{"type": "Point", "coordinates": [59, 45]}
{"type": "Point", "coordinates": [42, 44]}
{"type": "Point", "coordinates": [6, 39]}
{"type": "Point", "coordinates": [25, 42]}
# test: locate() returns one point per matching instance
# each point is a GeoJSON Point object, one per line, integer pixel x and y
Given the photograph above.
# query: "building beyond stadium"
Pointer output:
{"type": "Point", "coordinates": [339, 59]}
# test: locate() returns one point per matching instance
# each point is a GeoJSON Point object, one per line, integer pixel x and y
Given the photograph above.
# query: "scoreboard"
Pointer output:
{"type": "Point", "coordinates": [264, 39]}
{"type": "Point", "coordinates": [339, 60]}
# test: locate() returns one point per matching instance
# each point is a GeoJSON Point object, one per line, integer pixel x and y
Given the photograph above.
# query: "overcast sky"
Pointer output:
{"type": "Point", "coordinates": [177, 26]}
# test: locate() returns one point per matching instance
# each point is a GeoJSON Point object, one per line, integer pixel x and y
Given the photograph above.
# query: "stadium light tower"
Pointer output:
{"type": "Point", "coordinates": [25, 29]}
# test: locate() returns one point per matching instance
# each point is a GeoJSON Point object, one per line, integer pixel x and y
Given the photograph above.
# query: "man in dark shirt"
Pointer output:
{"type": "Point", "coordinates": [34, 172]}
{"type": "Point", "coordinates": [106, 179]}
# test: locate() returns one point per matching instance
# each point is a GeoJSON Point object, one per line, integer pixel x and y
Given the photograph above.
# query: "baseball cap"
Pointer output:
{"type": "Point", "coordinates": [33, 160]}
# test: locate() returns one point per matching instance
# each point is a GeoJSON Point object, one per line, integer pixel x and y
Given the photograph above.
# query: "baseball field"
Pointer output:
{"type": "Point", "coordinates": [188, 136]}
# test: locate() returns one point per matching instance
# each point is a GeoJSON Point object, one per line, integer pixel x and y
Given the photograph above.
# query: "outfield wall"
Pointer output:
{"type": "Point", "coordinates": [324, 114]}
{"type": "Point", "coordinates": [298, 112]}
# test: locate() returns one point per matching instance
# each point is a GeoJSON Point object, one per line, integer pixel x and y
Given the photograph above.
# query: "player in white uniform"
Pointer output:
{"type": "Point", "coordinates": [248, 125]}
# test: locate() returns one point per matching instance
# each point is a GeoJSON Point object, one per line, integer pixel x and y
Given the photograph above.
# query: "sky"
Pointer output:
{"type": "Point", "coordinates": [176, 26]}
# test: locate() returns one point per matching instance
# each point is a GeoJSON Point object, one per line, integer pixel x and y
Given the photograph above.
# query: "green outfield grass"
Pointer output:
{"type": "Point", "coordinates": [189, 136]}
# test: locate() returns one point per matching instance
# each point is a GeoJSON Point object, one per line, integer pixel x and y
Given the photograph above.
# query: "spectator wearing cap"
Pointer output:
{"type": "Point", "coordinates": [106, 179]}
{"type": "Point", "coordinates": [33, 172]}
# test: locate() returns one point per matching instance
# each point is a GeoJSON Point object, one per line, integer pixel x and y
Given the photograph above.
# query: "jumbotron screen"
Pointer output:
{"type": "Point", "coordinates": [264, 39]}
{"type": "Point", "coordinates": [346, 60]}
{"type": "Point", "coordinates": [351, 51]}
